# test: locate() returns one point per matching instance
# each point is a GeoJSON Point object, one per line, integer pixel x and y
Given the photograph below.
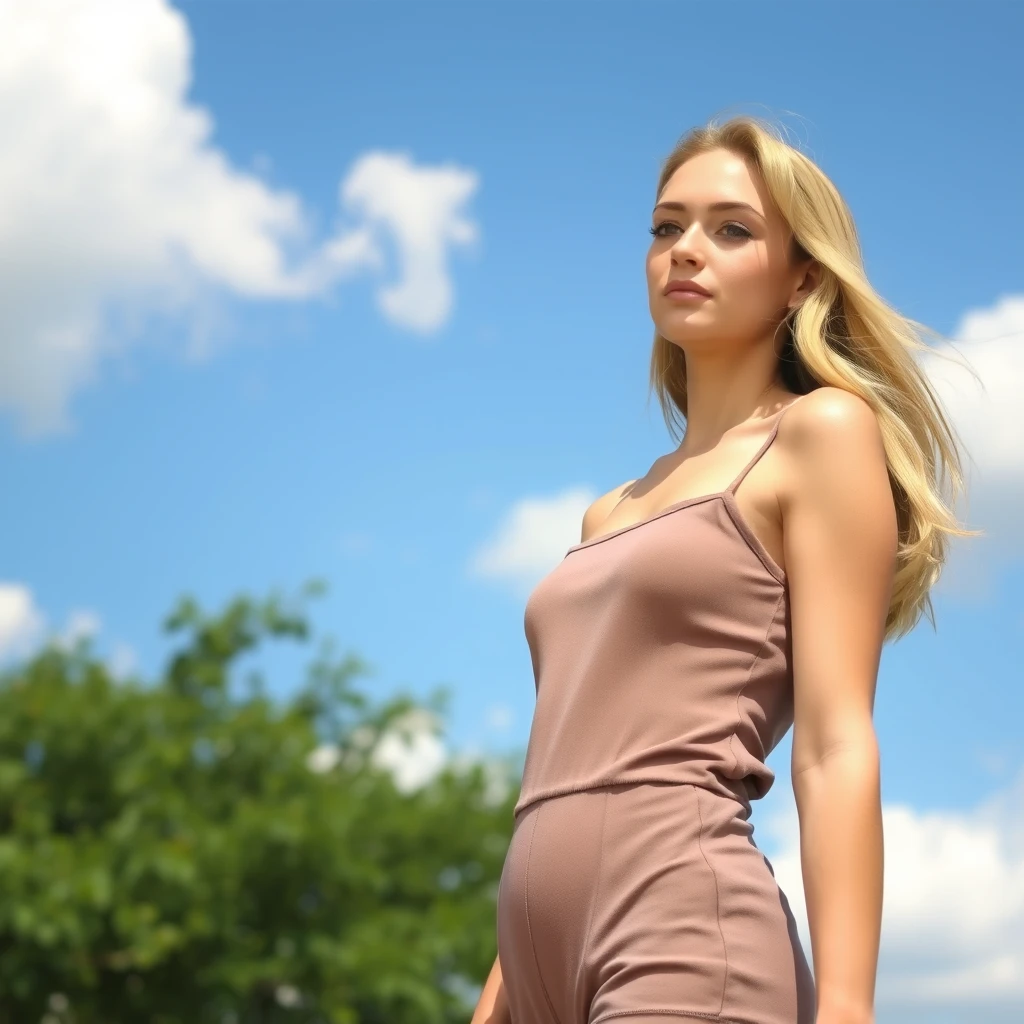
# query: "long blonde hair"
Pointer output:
{"type": "Point", "coordinates": [843, 335]}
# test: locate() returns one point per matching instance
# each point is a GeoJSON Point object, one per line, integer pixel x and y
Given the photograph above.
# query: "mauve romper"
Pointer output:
{"type": "Point", "coordinates": [632, 887]}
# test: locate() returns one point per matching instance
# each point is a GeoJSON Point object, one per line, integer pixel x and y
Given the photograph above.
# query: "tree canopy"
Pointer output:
{"type": "Point", "coordinates": [190, 850]}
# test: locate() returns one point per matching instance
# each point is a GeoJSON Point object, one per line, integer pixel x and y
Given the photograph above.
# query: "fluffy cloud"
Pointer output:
{"type": "Point", "coordinates": [412, 750]}
{"type": "Point", "coordinates": [531, 538]}
{"type": "Point", "coordinates": [21, 622]}
{"type": "Point", "coordinates": [986, 415]}
{"type": "Point", "coordinates": [117, 206]}
{"type": "Point", "coordinates": [953, 912]}
{"type": "Point", "coordinates": [24, 629]}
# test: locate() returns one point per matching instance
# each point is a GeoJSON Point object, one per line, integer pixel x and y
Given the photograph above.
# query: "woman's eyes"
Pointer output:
{"type": "Point", "coordinates": [656, 231]}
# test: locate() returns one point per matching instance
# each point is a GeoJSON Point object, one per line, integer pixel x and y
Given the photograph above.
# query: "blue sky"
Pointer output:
{"type": "Point", "coordinates": [356, 291]}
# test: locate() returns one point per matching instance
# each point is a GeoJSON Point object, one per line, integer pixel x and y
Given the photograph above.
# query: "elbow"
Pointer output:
{"type": "Point", "coordinates": [859, 750]}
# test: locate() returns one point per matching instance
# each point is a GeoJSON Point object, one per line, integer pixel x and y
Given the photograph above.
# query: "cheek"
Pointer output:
{"type": "Point", "coordinates": [653, 263]}
{"type": "Point", "coordinates": [749, 277]}
{"type": "Point", "coordinates": [748, 265]}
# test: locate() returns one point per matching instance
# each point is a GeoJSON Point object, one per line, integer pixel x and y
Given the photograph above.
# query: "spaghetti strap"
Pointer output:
{"type": "Point", "coordinates": [764, 447]}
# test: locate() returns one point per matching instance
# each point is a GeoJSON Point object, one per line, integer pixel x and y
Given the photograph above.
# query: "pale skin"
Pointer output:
{"type": "Point", "coordinates": [819, 501]}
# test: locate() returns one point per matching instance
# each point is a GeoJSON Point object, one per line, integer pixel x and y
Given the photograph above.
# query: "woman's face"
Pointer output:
{"type": "Point", "coordinates": [739, 254]}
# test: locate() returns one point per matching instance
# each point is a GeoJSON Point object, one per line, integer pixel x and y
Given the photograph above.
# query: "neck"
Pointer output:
{"type": "Point", "coordinates": [732, 406]}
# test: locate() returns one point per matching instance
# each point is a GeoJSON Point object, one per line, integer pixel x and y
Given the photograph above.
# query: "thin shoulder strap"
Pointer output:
{"type": "Point", "coordinates": [764, 447]}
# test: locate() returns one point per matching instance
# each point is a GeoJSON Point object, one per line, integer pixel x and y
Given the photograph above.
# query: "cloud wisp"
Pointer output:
{"type": "Point", "coordinates": [117, 206]}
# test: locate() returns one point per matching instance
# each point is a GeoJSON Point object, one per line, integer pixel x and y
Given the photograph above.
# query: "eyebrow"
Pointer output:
{"type": "Point", "coordinates": [713, 206]}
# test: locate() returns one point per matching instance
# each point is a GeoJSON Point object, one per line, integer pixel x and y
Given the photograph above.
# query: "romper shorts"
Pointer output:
{"type": "Point", "coordinates": [646, 902]}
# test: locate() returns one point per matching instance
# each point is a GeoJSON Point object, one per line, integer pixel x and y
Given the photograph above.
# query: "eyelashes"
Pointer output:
{"type": "Point", "coordinates": [656, 231]}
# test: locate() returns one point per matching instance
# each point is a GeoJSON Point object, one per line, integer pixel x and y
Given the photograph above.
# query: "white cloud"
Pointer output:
{"type": "Point", "coordinates": [21, 622]}
{"type": "Point", "coordinates": [419, 207]}
{"type": "Point", "coordinates": [988, 420]}
{"type": "Point", "coordinates": [953, 910]}
{"type": "Point", "coordinates": [116, 205]}
{"type": "Point", "coordinates": [412, 750]}
{"type": "Point", "coordinates": [81, 624]}
{"type": "Point", "coordinates": [534, 534]}
{"type": "Point", "coordinates": [25, 629]}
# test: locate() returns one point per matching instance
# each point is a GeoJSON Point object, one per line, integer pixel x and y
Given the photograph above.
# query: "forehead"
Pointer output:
{"type": "Point", "coordinates": [717, 176]}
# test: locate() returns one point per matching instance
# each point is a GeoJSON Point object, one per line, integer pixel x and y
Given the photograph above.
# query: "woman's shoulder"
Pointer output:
{"type": "Point", "coordinates": [826, 411]}
{"type": "Point", "coordinates": [830, 438]}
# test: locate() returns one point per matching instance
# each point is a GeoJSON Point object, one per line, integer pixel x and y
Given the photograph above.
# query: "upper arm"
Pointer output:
{"type": "Point", "coordinates": [598, 510]}
{"type": "Point", "coordinates": [840, 540]}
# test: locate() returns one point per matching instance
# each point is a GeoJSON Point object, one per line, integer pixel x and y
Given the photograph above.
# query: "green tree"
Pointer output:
{"type": "Point", "coordinates": [169, 855]}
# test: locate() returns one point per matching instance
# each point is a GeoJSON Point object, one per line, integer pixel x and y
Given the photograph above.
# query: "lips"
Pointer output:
{"type": "Point", "coordinates": [687, 286]}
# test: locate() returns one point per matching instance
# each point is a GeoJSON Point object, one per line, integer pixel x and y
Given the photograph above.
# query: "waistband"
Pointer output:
{"type": "Point", "coordinates": [726, 789]}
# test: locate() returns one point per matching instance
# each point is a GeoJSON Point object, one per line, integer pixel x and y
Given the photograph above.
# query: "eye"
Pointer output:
{"type": "Point", "coordinates": [657, 232]}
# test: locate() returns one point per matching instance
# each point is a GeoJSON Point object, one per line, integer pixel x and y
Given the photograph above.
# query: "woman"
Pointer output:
{"type": "Point", "coordinates": [744, 584]}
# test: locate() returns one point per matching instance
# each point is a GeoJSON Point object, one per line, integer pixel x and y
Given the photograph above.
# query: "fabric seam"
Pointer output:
{"type": "Point", "coordinates": [751, 540]}
{"type": "Point", "coordinates": [585, 948]}
{"type": "Point", "coordinates": [743, 688]}
{"type": "Point", "coordinates": [718, 904]}
{"type": "Point", "coordinates": [668, 1013]}
{"type": "Point", "coordinates": [601, 783]}
{"type": "Point", "coordinates": [529, 925]}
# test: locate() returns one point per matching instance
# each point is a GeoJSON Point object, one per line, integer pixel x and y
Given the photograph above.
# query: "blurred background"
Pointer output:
{"type": "Point", "coordinates": [321, 323]}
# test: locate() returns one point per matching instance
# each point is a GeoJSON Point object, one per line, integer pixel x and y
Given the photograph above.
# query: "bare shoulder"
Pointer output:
{"type": "Point", "coordinates": [598, 510]}
{"type": "Point", "coordinates": [830, 439]}
{"type": "Point", "coordinates": [840, 534]}
{"type": "Point", "coordinates": [831, 410]}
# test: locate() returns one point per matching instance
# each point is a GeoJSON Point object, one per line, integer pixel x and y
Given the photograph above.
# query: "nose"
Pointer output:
{"type": "Point", "coordinates": [685, 247]}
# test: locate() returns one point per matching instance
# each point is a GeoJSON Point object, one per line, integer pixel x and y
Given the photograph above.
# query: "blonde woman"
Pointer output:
{"type": "Point", "coordinates": [744, 584]}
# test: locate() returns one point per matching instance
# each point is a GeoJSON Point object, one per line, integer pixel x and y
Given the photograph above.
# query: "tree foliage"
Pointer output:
{"type": "Point", "coordinates": [169, 855]}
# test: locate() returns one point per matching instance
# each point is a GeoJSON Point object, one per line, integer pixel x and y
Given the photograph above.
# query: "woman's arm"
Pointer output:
{"type": "Point", "coordinates": [840, 538]}
{"type": "Point", "coordinates": [492, 1007]}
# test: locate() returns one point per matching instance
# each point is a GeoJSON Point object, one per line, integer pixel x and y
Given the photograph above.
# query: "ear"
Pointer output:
{"type": "Point", "coordinates": [807, 282]}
